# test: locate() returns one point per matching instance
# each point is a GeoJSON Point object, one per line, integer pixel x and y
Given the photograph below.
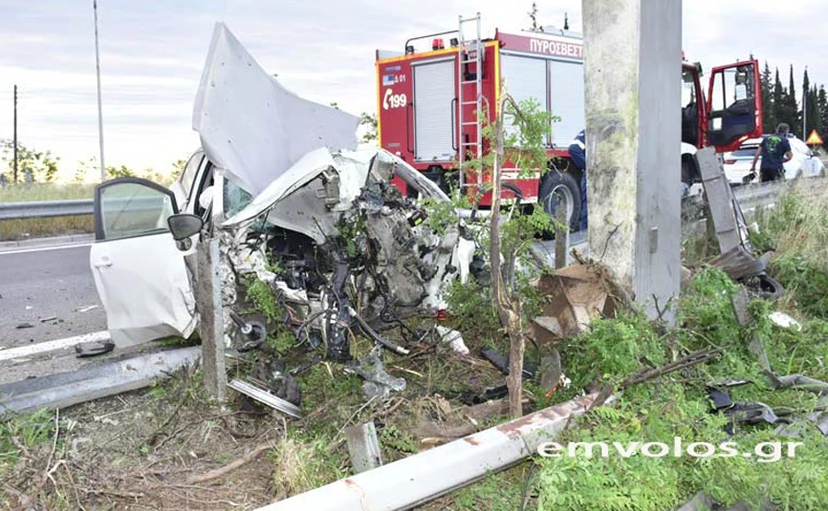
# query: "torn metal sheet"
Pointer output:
{"type": "Point", "coordinates": [252, 126]}
{"type": "Point", "coordinates": [378, 383]}
{"type": "Point", "coordinates": [266, 398]}
{"type": "Point", "coordinates": [797, 381]}
{"type": "Point", "coordinates": [576, 295]}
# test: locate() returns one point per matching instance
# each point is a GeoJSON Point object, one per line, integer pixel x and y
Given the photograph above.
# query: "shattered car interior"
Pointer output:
{"type": "Point", "coordinates": [338, 259]}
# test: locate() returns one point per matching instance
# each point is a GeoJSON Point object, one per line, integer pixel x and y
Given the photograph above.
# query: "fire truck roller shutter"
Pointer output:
{"type": "Point", "coordinates": [434, 92]}
{"type": "Point", "coordinates": [566, 80]}
{"type": "Point", "coordinates": [525, 79]}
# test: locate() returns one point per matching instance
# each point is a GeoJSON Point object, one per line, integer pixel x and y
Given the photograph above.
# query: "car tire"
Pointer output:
{"type": "Point", "coordinates": [766, 287]}
{"type": "Point", "coordinates": [556, 182]}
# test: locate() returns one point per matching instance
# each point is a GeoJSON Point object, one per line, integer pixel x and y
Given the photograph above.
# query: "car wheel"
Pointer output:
{"type": "Point", "coordinates": [556, 185]}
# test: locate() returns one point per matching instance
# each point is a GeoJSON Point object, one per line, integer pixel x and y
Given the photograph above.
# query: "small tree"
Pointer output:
{"type": "Point", "coordinates": [522, 144]}
{"type": "Point", "coordinates": [42, 165]}
{"type": "Point", "coordinates": [116, 172]}
{"type": "Point", "coordinates": [369, 121]}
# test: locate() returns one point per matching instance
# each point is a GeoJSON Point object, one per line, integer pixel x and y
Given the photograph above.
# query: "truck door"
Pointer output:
{"type": "Point", "coordinates": [434, 93]}
{"type": "Point", "coordinates": [734, 104]}
{"type": "Point", "coordinates": [140, 275]}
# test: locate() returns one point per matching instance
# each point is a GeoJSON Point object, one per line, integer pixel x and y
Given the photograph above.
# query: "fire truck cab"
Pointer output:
{"type": "Point", "coordinates": [428, 101]}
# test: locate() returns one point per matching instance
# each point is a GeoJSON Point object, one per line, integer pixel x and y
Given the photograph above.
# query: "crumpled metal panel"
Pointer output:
{"type": "Point", "coordinates": [252, 126]}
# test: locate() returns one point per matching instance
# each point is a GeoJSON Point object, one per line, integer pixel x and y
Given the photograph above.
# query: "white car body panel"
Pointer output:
{"type": "Point", "coordinates": [802, 164]}
{"type": "Point", "coordinates": [253, 127]}
{"type": "Point", "coordinates": [144, 287]}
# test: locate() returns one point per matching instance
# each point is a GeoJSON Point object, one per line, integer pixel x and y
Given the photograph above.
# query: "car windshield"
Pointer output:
{"type": "Point", "coordinates": [235, 198]}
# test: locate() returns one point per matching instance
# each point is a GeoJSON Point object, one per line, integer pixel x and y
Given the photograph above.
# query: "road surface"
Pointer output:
{"type": "Point", "coordinates": [41, 283]}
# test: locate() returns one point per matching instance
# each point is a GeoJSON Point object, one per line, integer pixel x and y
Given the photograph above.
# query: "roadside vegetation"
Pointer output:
{"type": "Point", "coordinates": [679, 405]}
{"type": "Point", "coordinates": [39, 227]}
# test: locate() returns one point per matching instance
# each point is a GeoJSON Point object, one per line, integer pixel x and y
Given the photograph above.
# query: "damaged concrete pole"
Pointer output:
{"type": "Point", "coordinates": [632, 61]}
{"type": "Point", "coordinates": [211, 324]}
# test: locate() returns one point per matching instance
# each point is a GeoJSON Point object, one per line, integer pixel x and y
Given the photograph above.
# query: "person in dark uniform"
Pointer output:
{"type": "Point", "coordinates": [775, 150]}
{"type": "Point", "coordinates": [577, 153]}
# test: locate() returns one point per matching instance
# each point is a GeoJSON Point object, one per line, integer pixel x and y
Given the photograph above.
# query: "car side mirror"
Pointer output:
{"type": "Point", "coordinates": [183, 227]}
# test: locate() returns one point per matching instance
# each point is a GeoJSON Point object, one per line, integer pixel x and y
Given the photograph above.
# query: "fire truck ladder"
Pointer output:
{"type": "Point", "coordinates": [470, 143]}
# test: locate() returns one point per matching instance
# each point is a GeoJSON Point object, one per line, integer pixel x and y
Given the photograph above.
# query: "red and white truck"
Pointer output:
{"type": "Point", "coordinates": [428, 96]}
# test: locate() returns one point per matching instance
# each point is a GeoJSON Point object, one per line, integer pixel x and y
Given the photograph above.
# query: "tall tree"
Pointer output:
{"type": "Point", "coordinates": [791, 107]}
{"type": "Point", "coordinates": [822, 107]}
{"type": "Point", "coordinates": [769, 119]}
{"type": "Point", "coordinates": [778, 108]}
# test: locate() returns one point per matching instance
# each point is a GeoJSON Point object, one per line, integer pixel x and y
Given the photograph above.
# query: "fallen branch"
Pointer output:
{"type": "Point", "coordinates": [692, 359]}
{"type": "Point", "coordinates": [645, 375]}
{"type": "Point", "coordinates": [233, 465]}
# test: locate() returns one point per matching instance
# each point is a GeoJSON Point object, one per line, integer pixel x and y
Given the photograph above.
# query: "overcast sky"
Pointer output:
{"type": "Point", "coordinates": [152, 53]}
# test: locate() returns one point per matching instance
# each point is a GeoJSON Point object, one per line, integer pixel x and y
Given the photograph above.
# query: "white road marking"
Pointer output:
{"type": "Point", "coordinates": [43, 347]}
{"type": "Point", "coordinates": [43, 249]}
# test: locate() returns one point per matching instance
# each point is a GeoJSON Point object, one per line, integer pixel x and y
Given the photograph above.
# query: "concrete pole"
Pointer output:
{"type": "Point", "coordinates": [632, 58]}
{"type": "Point", "coordinates": [211, 321]}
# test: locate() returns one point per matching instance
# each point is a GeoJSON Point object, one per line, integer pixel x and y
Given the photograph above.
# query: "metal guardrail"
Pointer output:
{"type": "Point", "coordinates": [45, 209]}
{"type": "Point", "coordinates": [749, 196]}
{"type": "Point", "coordinates": [56, 208]}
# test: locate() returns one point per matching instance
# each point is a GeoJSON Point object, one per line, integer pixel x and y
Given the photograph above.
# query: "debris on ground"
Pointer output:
{"type": "Point", "coordinates": [784, 320]}
{"type": "Point", "coordinates": [265, 397]}
{"type": "Point", "coordinates": [378, 383]}
{"type": "Point", "coordinates": [363, 446]}
{"type": "Point", "coordinates": [94, 348]}
{"type": "Point", "coordinates": [575, 295]}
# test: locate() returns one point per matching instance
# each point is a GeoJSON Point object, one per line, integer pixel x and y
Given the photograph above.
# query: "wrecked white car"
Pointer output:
{"type": "Point", "coordinates": [325, 229]}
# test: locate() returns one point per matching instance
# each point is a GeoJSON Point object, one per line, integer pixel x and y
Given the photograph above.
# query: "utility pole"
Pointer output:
{"type": "Point", "coordinates": [632, 51]}
{"type": "Point", "coordinates": [805, 110]}
{"type": "Point", "coordinates": [100, 110]}
{"type": "Point", "coordinates": [15, 134]}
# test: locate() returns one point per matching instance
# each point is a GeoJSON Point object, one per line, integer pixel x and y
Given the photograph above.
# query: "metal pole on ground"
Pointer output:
{"type": "Point", "coordinates": [632, 58]}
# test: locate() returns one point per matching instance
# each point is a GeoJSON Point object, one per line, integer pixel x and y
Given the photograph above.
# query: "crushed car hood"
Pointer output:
{"type": "Point", "coordinates": [295, 198]}
{"type": "Point", "coordinates": [253, 127]}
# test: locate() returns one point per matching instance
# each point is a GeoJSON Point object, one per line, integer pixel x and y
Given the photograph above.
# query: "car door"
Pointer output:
{"type": "Point", "coordinates": [139, 273]}
{"type": "Point", "coordinates": [734, 103]}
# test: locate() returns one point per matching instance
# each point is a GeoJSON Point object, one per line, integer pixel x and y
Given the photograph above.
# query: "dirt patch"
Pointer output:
{"type": "Point", "coordinates": [167, 447]}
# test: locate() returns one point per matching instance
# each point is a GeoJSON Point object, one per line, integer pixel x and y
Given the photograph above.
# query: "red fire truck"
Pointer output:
{"type": "Point", "coordinates": [428, 99]}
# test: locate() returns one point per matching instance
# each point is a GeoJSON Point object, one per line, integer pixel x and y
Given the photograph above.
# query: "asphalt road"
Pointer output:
{"type": "Point", "coordinates": [38, 284]}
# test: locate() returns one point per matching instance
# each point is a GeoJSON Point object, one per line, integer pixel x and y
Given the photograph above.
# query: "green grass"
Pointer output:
{"type": "Point", "coordinates": [40, 192]}
{"type": "Point", "coordinates": [40, 227]}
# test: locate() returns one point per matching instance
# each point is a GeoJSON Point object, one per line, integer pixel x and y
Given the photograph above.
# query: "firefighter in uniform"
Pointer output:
{"type": "Point", "coordinates": [577, 153]}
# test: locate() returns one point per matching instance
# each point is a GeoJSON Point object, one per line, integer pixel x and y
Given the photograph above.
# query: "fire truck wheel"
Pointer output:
{"type": "Point", "coordinates": [556, 185]}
